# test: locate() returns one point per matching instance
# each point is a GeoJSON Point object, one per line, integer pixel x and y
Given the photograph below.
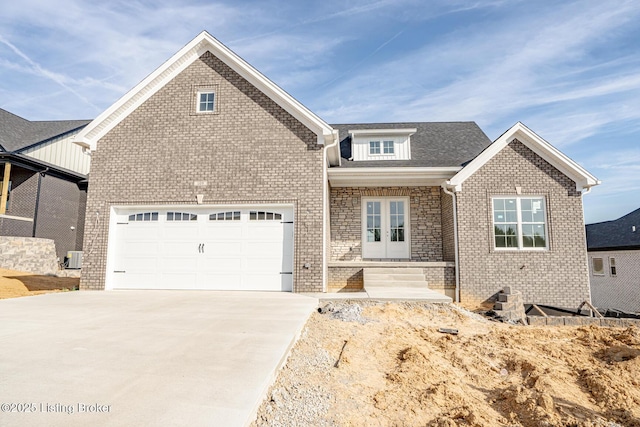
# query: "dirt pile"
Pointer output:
{"type": "Point", "coordinates": [20, 284]}
{"type": "Point", "coordinates": [396, 369]}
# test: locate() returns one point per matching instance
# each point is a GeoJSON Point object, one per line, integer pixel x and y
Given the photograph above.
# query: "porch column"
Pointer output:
{"type": "Point", "coordinates": [5, 188]}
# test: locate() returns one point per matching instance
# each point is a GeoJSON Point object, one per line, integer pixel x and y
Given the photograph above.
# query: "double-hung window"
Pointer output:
{"type": "Point", "coordinates": [520, 223]}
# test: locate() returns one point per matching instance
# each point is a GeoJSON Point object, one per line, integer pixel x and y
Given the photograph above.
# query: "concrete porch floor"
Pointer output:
{"type": "Point", "coordinates": [386, 294]}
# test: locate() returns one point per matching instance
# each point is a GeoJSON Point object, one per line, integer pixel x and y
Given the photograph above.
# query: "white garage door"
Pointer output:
{"type": "Point", "coordinates": [214, 248]}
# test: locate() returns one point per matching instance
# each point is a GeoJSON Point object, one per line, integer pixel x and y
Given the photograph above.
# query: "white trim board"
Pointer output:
{"type": "Point", "coordinates": [535, 143]}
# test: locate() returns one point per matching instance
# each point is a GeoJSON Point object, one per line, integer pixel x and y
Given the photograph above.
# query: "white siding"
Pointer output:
{"type": "Point", "coordinates": [401, 143]}
{"type": "Point", "coordinates": [621, 291]}
{"type": "Point", "coordinates": [62, 152]}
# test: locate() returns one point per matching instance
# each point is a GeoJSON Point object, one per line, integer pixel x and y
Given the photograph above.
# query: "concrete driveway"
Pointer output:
{"type": "Point", "coordinates": [198, 358]}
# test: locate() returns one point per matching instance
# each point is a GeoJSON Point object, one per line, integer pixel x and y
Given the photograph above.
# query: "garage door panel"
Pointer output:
{"type": "Point", "coordinates": [139, 264]}
{"type": "Point", "coordinates": [271, 264]}
{"type": "Point", "coordinates": [222, 231]}
{"type": "Point", "coordinates": [179, 249]}
{"type": "Point", "coordinates": [183, 232]}
{"type": "Point", "coordinates": [228, 254]}
{"type": "Point", "coordinates": [222, 249]}
{"type": "Point", "coordinates": [182, 266]}
{"type": "Point", "coordinates": [213, 265]}
{"type": "Point", "coordinates": [144, 232]}
{"type": "Point", "coordinates": [263, 249]}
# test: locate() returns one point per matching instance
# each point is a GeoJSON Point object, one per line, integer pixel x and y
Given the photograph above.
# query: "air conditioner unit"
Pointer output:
{"type": "Point", "coordinates": [74, 259]}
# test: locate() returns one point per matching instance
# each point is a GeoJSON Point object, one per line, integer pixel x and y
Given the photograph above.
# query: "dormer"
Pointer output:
{"type": "Point", "coordinates": [381, 144]}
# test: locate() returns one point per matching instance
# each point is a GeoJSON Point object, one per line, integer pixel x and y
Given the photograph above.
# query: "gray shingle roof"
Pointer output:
{"type": "Point", "coordinates": [616, 234]}
{"type": "Point", "coordinates": [17, 133]}
{"type": "Point", "coordinates": [435, 144]}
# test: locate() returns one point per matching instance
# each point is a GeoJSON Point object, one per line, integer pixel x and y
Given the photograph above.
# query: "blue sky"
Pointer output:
{"type": "Point", "coordinates": [568, 70]}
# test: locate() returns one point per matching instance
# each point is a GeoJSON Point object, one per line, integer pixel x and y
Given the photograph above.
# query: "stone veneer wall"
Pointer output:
{"type": "Point", "coordinates": [346, 220]}
{"type": "Point", "coordinates": [249, 151]}
{"type": "Point", "coordinates": [557, 276]}
{"type": "Point", "coordinates": [448, 235]}
{"type": "Point", "coordinates": [28, 254]}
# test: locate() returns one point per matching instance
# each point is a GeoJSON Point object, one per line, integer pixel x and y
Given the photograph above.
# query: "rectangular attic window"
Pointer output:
{"type": "Point", "coordinates": [206, 102]}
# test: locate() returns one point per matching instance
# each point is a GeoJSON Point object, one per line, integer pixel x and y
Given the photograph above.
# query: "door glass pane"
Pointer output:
{"type": "Point", "coordinates": [373, 222]}
{"type": "Point", "coordinates": [396, 221]}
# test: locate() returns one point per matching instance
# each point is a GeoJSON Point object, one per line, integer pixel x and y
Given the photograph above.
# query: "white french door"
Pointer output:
{"type": "Point", "coordinates": [385, 228]}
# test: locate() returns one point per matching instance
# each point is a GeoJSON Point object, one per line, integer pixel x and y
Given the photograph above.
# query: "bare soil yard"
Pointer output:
{"type": "Point", "coordinates": [396, 369]}
{"type": "Point", "coordinates": [19, 284]}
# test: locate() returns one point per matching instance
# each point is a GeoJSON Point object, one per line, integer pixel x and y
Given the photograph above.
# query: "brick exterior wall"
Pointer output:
{"type": "Point", "coordinates": [345, 279]}
{"type": "Point", "coordinates": [61, 206]}
{"type": "Point", "coordinates": [621, 291]}
{"type": "Point", "coordinates": [346, 221]}
{"type": "Point", "coordinates": [250, 151]}
{"type": "Point", "coordinates": [557, 276]}
{"type": "Point", "coordinates": [22, 203]}
{"type": "Point", "coordinates": [58, 212]}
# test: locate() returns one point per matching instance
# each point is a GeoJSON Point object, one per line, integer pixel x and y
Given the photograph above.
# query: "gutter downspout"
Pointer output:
{"type": "Point", "coordinates": [455, 236]}
{"type": "Point", "coordinates": [325, 207]}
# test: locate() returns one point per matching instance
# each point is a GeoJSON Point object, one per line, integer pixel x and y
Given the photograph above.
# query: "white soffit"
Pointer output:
{"type": "Point", "coordinates": [535, 143]}
{"type": "Point", "coordinates": [390, 176]}
{"type": "Point", "coordinates": [204, 42]}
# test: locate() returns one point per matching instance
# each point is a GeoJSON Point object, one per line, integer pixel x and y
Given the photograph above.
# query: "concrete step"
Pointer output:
{"type": "Point", "coordinates": [395, 284]}
{"type": "Point", "coordinates": [393, 270]}
{"type": "Point", "coordinates": [392, 277]}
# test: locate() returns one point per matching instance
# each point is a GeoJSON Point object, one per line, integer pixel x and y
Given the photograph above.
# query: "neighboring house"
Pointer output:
{"type": "Point", "coordinates": [43, 180]}
{"type": "Point", "coordinates": [614, 259]}
{"type": "Point", "coordinates": [207, 175]}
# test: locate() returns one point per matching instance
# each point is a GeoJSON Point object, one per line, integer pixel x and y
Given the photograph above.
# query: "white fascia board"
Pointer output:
{"type": "Point", "coordinates": [204, 42]}
{"type": "Point", "coordinates": [356, 132]}
{"type": "Point", "coordinates": [387, 177]}
{"type": "Point", "coordinates": [535, 143]}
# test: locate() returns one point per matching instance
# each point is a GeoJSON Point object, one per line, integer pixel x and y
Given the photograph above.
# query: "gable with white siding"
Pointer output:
{"type": "Point", "coordinates": [62, 152]}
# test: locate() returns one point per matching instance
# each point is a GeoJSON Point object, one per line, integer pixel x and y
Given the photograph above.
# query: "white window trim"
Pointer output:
{"type": "Point", "coordinates": [215, 101]}
{"type": "Point", "coordinates": [519, 224]}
